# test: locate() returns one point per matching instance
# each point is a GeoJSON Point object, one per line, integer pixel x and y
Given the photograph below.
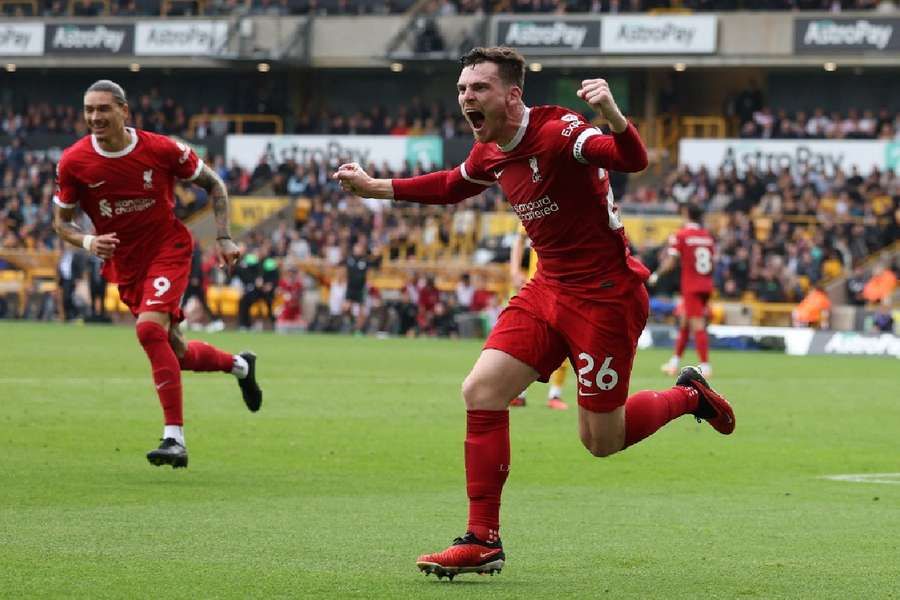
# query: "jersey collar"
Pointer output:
{"type": "Point", "coordinates": [692, 225]}
{"type": "Point", "coordinates": [520, 133]}
{"type": "Point", "coordinates": [120, 153]}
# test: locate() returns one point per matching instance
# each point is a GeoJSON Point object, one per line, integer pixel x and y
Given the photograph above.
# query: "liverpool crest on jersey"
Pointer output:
{"type": "Point", "coordinates": [148, 179]}
{"type": "Point", "coordinates": [535, 173]}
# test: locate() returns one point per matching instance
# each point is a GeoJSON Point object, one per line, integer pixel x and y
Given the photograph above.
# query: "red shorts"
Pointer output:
{"type": "Point", "coordinates": [695, 304]}
{"type": "Point", "coordinates": [542, 327]}
{"type": "Point", "coordinates": [162, 284]}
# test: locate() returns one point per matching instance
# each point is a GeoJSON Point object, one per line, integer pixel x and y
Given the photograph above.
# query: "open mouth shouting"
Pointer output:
{"type": "Point", "coordinates": [476, 119]}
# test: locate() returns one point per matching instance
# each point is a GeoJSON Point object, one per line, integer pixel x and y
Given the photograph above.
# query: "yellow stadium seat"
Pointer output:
{"type": "Point", "coordinates": [832, 268]}
{"type": "Point", "coordinates": [716, 313]}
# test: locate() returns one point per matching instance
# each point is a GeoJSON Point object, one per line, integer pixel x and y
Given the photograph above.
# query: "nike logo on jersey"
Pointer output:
{"type": "Point", "coordinates": [497, 174]}
{"type": "Point", "coordinates": [96, 185]}
{"type": "Point", "coordinates": [152, 302]}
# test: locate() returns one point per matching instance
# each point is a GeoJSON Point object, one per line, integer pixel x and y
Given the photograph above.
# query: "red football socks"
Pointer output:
{"type": "Point", "coordinates": [647, 411]}
{"type": "Point", "coordinates": [487, 466]}
{"type": "Point", "coordinates": [701, 340]}
{"type": "Point", "coordinates": [201, 356]}
{"type": "Point", "coordinates": [166, 374]}
{"type": "Point", "coordinates": [681, 342]}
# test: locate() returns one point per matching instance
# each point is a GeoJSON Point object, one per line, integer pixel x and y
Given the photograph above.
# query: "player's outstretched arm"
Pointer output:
{"type": "Point", "coordinates": [440, 187]}
{"type": "Point", "coordinates": [227, 250]}
{"type": "Point", "coordinates": [354, 179]}
{"type": "Point", "coordinates": [63, 223]}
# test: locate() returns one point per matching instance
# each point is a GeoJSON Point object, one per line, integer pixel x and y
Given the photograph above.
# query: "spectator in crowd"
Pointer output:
{"type": "Point", "coordinates": [882, 320]}
{"type": "Point", "coordinates": [289, 316]}
{"type": "Point", "coordinates": [814, 310]}
{"type": "Point", "coordinates": [407, 314]}
{"type": "Point", "coordinates": [357, 267]}
{"type": "Point", "coordinates": [69, 271]}
{"type": "Point", "coordinates": [856, 282]}
{"type": "Point", "coordinates": [97, 287]}
{"type": "Point", "coordinates": [880, 288]}
{"type": "Point", "coordinates": [429, 296]}
{"type": "Point", "coordinates": [196, 289]}
{"type": "Point", "coordinates": [465, 292]}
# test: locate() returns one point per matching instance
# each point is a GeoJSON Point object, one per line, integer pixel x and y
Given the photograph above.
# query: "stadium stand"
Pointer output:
{"type": "Point", "coordinates": [95, 8]}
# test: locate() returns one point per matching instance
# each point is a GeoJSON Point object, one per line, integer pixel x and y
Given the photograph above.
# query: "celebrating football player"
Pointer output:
{"type": "Point", "coordinates": [587, 302]}
{"type": "Point", "coordinates": [123, 179]}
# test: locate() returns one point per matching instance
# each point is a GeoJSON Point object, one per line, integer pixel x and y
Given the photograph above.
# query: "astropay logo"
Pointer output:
{"type": "Point", "coordinates": [21, 39]}
{"type": "Point", "coordinates": [99, 37]}
{"type": "Point", "coordinates": [859, 33]}
{"type": "Point", "coordinates": [524, 33]}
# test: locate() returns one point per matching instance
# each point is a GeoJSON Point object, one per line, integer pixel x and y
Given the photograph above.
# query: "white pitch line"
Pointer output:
{"type": "Point", "coordinates": [893, 478]}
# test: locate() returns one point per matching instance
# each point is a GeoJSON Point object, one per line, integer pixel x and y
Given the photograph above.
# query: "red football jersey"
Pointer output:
{"type": "Point", "coordinates": [696, 247]}
{"type": "Point", "coordinates": [565, 204]}
{"type": "Point", "coordinates": [130, 193]}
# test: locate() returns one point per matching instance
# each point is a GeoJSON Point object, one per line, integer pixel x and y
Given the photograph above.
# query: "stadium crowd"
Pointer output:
{"type": "Point", "coordinates": [94, 8]}
{"type": "Point", "coordinates": [779, 233]}
{"type": "Point", "coordinates": [757, 120]}
{"type": "Point", "coordinates": [161, 114]}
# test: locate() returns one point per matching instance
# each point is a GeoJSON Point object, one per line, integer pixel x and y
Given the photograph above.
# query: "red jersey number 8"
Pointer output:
{"type": "Point", "coordinates": [703, 260]}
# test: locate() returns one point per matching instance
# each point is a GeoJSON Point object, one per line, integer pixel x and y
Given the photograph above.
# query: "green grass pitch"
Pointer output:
{"type": "Point", "coordinates": [354, 467]}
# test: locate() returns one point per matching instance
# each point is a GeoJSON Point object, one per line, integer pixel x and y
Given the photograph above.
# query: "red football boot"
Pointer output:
{"type": "Point", "coordinates": [712, 407]}
{"type": "Point", "coordinates": [557, 404]}
{"type": "Point", "coordinates": [517, 401]}
{"type": "Point", "coordinates": [467, 554]}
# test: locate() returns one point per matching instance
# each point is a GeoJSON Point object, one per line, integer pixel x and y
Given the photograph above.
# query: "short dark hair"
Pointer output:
{"type": "Point", "coordinates": [105, 85]}
{"type": "Point", "coordinates": [695, 212]}
{"type": "Point", "coordinates": [510, 64]}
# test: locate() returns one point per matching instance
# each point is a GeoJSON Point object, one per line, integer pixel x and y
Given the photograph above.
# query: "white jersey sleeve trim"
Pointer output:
{"type": "Point", "coordinates": [583, 137]}
{"type": "Point", "coordinates": [57, 201]}
{"type": "Point", "coordinates": [462, 170]}
{"type": "Point", "coordinates": [674, 252]}
{"type": "Point", "coordinates": [197, 171]}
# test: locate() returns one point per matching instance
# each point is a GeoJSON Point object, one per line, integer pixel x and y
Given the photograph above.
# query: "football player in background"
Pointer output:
{"type": "Point", "coordinates": [694, 247]}
{"type": "Point", "coordinates": [558, 378]}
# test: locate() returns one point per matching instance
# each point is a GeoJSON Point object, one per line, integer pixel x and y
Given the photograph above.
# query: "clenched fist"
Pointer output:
{"type": "Point", "coordinates": [596, 92]}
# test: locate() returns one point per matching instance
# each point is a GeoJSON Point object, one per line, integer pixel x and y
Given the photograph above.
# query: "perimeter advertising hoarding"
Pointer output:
{"type": "Point", "coordinates": [659, 34]}
{"type": "Point", "coordinates": [396, 151]}
{"type": "Point", "coordinates": [21, 39]}
{"type": "Point", "coordinates": [180, 38]}
{"type": "Point", "coordinates": [548, 35]}
{"type": "Point", "coordinates": [761, 156]}
{"type": "Point", "coordinates": [104, 39]}
{"type": "Point", "coordinates": [842, 35]}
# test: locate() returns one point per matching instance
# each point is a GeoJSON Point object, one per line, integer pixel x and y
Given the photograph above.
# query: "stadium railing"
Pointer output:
{"type": "Point", "coordinates": [166, 5]}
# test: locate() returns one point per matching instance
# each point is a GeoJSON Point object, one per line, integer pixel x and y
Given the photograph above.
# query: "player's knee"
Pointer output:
{"type": "Point", "coordinates": [478, 394]}
{"type": "Point", "coordinates": [601, 447]}
{"type": "Point", "coordinates": [149, 333]}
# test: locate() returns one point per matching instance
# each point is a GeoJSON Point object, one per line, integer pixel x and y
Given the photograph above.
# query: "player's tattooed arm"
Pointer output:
{"type": "Point", "coordinates": [64, 224]}
{"type": "Point", "coordinates": [227, 250]}
{"type": "Point", "coordinates": [210, 181]}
